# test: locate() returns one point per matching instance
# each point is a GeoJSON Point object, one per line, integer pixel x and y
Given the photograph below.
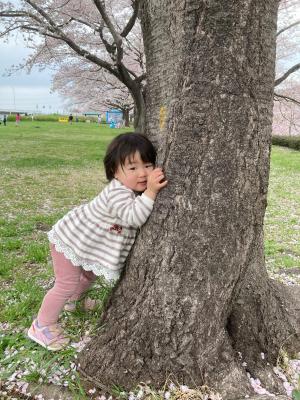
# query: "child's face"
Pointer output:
{"type": "Point", "coordinates": [134, 173]}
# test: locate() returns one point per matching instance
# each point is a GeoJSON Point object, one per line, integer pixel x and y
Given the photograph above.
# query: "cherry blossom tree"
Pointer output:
{"type": "Point", "coordinates": [99, 32]}
{"type": "Point", "coordinates": [286, 111]}
{"type": "Point", "coordinates": [90, 89]}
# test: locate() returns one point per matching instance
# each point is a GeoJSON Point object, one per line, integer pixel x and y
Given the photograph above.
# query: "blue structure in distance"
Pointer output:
{"type": "Point", "coordinates": [114, 117]}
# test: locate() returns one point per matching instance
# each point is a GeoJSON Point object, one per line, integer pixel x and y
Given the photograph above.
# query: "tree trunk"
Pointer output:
{"type": "Point", "coordinates": [195, 301]}
{"type": "Point", "coordinates": [136, 89]}
{"type": "Point", "coordinates": [139, 109]}
{"type": "Point", "coordinates": [125, 112]}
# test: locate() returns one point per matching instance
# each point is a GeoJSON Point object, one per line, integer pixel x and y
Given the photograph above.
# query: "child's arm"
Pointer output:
{"type": "Point", "coordinates": [135, 211]}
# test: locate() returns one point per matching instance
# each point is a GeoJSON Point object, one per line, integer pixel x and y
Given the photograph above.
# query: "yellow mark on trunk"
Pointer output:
{"type": "Point", "coordinates": [162, 117]}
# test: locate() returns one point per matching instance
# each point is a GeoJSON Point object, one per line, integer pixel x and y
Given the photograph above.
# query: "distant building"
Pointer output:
{"type": "Point", "coordinates": [115, 116]}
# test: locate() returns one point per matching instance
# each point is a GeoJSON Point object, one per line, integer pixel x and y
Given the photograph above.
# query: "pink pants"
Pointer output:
{"type": "Point", "coordinates": [70, 284]}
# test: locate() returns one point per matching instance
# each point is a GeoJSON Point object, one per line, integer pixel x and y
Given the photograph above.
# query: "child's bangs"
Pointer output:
{"type": "Point", "coordinates": [128, 151]}
{"type": "Point", "coordinates": [148, 154]}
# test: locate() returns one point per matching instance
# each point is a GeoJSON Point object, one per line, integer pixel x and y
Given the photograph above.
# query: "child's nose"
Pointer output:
{"type": "Point", "coordinates": [143, 171]}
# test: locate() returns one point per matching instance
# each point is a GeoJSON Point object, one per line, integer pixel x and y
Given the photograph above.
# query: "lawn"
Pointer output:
{"type": "Point", "coordinates": [282, 221]}
{"type": "Point", "coordinates": [46, 168]}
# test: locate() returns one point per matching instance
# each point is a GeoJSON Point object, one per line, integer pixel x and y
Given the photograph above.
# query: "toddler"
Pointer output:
{"type": "Point", "coordinates": [94, 239]}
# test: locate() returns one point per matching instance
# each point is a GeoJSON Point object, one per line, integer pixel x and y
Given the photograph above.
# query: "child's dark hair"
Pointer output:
{"type": "Point", "coordinates": [126, 145]}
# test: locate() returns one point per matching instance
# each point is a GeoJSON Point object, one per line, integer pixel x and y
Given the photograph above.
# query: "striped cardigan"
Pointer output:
{"type": "Point", "coordinates": [99, 235]}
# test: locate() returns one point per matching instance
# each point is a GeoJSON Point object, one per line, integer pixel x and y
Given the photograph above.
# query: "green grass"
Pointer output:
{"type": "Point", "coordinates": [46, 168]}
{"type": "Point", "coordinates": [282, 222]}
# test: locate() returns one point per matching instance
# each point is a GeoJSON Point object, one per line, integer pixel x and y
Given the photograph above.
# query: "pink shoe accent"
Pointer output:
{"type": "Point", "coordinates": [51, 337]}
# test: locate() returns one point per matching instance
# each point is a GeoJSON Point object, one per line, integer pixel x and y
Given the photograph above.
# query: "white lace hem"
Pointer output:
{"type": "Point", "coordinates": [108, 274]}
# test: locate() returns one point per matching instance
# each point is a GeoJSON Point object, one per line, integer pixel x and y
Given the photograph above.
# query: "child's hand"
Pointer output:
{"type": "Point", "coordinates": [155, 183]}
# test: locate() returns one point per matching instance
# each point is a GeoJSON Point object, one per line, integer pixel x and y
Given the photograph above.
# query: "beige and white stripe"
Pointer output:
{"type": "Point", "coordinates": [99, 235]}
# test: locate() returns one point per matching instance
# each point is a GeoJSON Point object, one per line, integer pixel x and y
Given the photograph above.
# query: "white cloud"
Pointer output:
{"type": "Point", "coordinates": [22, 91]}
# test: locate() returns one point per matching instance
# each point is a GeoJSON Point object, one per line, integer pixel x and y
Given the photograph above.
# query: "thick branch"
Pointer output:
{"type": "Point", "coordinates": [42, 13]}
{"type": "Point", "coordinates": [108, 22]}
{"type": "Point", "coordinates": [116, 36]}
{"type": "Point", "coordinates": [287, 74]}
{"type": "Point", "coordinates": [57, 33]}
{"type": "Point", "coordinates": [131, 22]}
{"type": "Point", "coordinates": [13, 14]}
{"type": "Point", "coordinates": [86, 54]}
{"type": "Point", "coordinates": [109, 48]}
{"type": "Point", "coordinates": [141, 78]}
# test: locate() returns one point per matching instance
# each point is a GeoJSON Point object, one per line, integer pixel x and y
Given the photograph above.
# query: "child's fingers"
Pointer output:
{"type": "Point", "coordinates": [163, 184]}
{"type": "Point", "coordinates": [157, 177]}
{"type": "Point", "coordinates": [160, 185]}
{"type": "Point", "coordinates": [160, 176]}
{"type": "Point", "coordinates": [157, 171]}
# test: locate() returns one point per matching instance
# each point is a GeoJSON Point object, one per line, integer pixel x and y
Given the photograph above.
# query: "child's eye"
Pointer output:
{"type": "Point", "coordinates": [149, 166]}
{"type": "Point", "coordinates": [132, 168]}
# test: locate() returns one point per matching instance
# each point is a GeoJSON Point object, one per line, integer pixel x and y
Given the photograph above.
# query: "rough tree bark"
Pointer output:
{"type": "Point", "coordinates": [195, 300]}
{"type": "Point", "coordinates": [126, 117]}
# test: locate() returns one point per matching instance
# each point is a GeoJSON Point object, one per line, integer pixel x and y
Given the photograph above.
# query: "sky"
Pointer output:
{"type": "Point", "coordinates": [21, 91]}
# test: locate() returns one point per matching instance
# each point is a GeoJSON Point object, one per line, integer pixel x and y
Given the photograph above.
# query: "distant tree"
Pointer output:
{"type": "Point", "coordinates": [99, 32]}
{"type": "Point", "coordinates": [286, 115]}
{"type": "Point", "coordinates": [89, 89]}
